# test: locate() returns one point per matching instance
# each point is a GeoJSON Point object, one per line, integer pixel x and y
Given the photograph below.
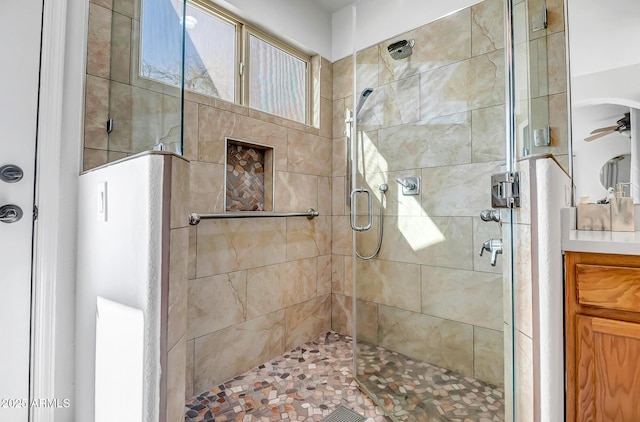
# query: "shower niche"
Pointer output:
{"type": "Point", "coordinates": [248, 176]}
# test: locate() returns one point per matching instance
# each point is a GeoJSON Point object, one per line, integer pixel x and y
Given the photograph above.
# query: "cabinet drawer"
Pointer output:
{"type": "Point", "coordinates": [609, 287]}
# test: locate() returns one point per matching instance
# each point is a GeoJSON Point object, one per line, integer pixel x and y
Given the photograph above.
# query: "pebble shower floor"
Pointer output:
{"type": "Point", "coordinates": [312, 380]}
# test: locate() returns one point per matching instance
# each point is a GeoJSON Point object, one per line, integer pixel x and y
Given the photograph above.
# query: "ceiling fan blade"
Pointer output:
{"type": "Point", "coordinates": [599, 135]}
{"type": "Point", "coordinates": [603, 129]}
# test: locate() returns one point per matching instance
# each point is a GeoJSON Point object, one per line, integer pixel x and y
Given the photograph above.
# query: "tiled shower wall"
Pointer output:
{"type": "Point", "coordinates": [438, 115]}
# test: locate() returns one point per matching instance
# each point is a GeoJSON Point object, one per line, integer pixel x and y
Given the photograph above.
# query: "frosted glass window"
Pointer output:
{"type": "Point", "coordinates": [277, 80]}
{"type": "Point", "coordinates": [210, 48]}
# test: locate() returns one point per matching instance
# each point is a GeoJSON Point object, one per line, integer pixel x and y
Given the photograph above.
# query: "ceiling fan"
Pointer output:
{"type": "Point", "coordinates": [622, 126]}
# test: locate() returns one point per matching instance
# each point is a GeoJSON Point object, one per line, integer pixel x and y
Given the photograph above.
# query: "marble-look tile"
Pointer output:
{"type": "Point", "coordinates": [389, 283]}
{"type": "Point", "coordinates": [337, 274]}
{"type": "Point", "coordinates": [295, 192]}
{"type": "Point", "coordinates": [104, 3]}
{"type": "Point", "coordinates": [465, 296]}
{"type": "Point", "coordinates": [367, 158]}
{"type": "Point", "coordinates": [216, 302]}
{"type": "Point", "coordinates": [483, 231]}
{"type": "Point", "coordinates": [338, 111]}
{"type": "Point", "coordinates": [308, 238]}
{"type": "Point", "coordinates": [115, 156]}
{"type": "Point", "coordinates": [488, 134]}
{"type": "Point", "coordinates": [339, 157]}
{"type": "Point", "coordinates": [349, 281]}
{"type": "Point", "coordinates": [307, 320]}
{"type": "Point", "coordinates": [488, 355]}
{"type": "Point", "coordinates": [308, 154]}
{"type": "Point", "coordinates": [326, 118]}
{"type": "Point", "coordinates": [324, 196]}
{"type": "Point", "coordinates": [538, 68]}
{"type": "Point", "coordinates": [558, 123]}
{"type": "Point", "coordinates": [393, 104]}
{"type": "Point", "coordinates": [522, 280]}
{"type": "Point", "coordinates": [180, 198]}
{"type": "Point", "coordinates": [367, 68]}
{"type": "Point", "coordinates": [535, 7]}
{"type": "Point", "coordinates": [177, 300]}
{"type": "Point", "coordinates": [96, 113]}
{"type": "Point", "coordinates": [487, 26]}
{"type": "Point", "coordinates": [127, 7]}
{"type": "Point", "coordinates": [326, 79]}
{"type": "Point", "coordinates": [508, 373]}
{"type": "Point", "coordinates": [206, 187]}
{"type": "Point", "coordinates": [255, 341]}
{"type": "Point", "coordinates": [142, 118]}
{"type": "Point", "coordinates": [323, 286]}
{"type": "Point", "coordinates": [190, 135]}
{"type": "Point", "coordinates": [437, 241]}
{"type": "Point", "coordinates": [341, 243]}
{"type": "Point", "coordinates": [176, 377]}
{"type": "Point", "coordinates": [92, 158]}
{"type": "Point", "coordinates": [449, 344]}
{"type": "Point", "coordinates": [190, 351]}
{"type": "Point", "coordinates": [555, 16]}
{"type": "Point", "coordinates": [343, 78]}
{"type": "Point", "coordinates": [524, 394]}
{"type": "Point", "coordinates": [539, 119]}
{"type": "Point", "coordinates": [338, 196]}
{"type": "Point", "coordinates": [557, 63]}
{"type": "Point", "coordinates": [395, 203]}
{"type": "Point", "coordinates": [236, 244]}
{"type": "Point", "coordinates": [99, 41]}
{"type": "Point", "coordinates": [462, 190]}
{"type": "Point", "coordinates": [191, 264]}
{"type": "Point", "coordinates": [121, 48]}
{"type": "Point", "coordinates": [462, 86]}
{"type": "Point", "coordinates": [342, 314]}
{"type": "Point", "coordinates": [523, 214]}
{"type": "Point", "coordinates": [507, 278]}
{"type": "Point", "coordinates": [433, 142]}
{"type": "Point", "coordinates": [274, 287]}
{"type": "Point", "coordinates": [367, 321]}
{"type": "Point", "coordinates": [437, 44]}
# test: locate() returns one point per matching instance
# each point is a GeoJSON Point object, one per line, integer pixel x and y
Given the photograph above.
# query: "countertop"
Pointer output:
{"type": "Point", "coordinates": [624, 243]}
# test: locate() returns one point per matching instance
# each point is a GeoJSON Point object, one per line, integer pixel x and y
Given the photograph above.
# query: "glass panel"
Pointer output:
{"type": "Point", "coordinates": [429, 114]}
{"type": "Point", "coordinates": [278, 81]}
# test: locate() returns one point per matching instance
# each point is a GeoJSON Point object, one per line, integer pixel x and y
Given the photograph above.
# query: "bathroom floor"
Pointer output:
{"type": "Point", "coordinates": [311, 381]}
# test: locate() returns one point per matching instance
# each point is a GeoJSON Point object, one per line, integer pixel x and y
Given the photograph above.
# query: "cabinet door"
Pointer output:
{"type": "Point", "coordinates": [608, 370]}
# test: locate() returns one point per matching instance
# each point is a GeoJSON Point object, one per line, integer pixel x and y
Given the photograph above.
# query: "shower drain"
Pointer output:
{"type": "Point", "coordinates": [342, 414]}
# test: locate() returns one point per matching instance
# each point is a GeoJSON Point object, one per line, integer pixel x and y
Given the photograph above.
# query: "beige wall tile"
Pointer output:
{"type": "Point", "coordinates": [488, 356]}
{"type": "Point", "coordinates": [523, 305]}
{"type": "Point", "coordinates": [338, 111]}
{"type": "Point", "coordinates": [337, 274]}
{"type": "Point", "coordinates": [339, 161]}
{"type": "Point", "coordinates": [392, 104]}
{"type": "Point", "coordinates": [438, 43]}
{"type": "Point", "coordinates": [308, 154]}
{"type": "Point", "coordinates": [555, 16]}
{"type": "Point", "coordinates": [180, 201]}
{"type": "Point", "coordinates": [343, 78]}
{"type": "Point", "coordinates": [236, 244]}
{"type": "Point", "coordinates": [104, 3]}
{"type": "Point", "coordinates": [342, 314]}
{"type": "Point", "coordinates": [324, 276]}
{"type": "Point", "coordinates": [213, 126]}
{"type": "Point", "coordinates": [447, 344]}
{"type": "Point", "coordinates": [121, 48]}
{"type": "Point", "coordinates": [308, 238]}
{"type": "Point", "coordinates": [465, 296]}
{"type": "Point", "coordinates": [538, 68]}
{"type": "Point", "coordinates": [207, 187]}
{"type": "Point", "coordinates": [524, 378]}
{"type": "Point", "coordinates": [177, 300]}
{"type": "Point", "coordinates": [488, 134]}
{"type": "Point", "coordinates": [433, 142]}
{"type": "Point", "coordinates": [92, 158]}
{"type": "Point", "coordinates": [216, 302]}
{"type": "Point", "coordinates": [324, 196]}
{"type": "Point", "coordinates": [190, 131]}
{"type": "Point", "coordinates": [254, 342]}
{"type": "Point", "coordinates": [558, 123]}
{"type": "Point", "coordinates": [99, 41]}
{"type": "Point", "coordinates": [295, 192]}
{"type": "Point", "coordinates": [326, 79]}
{"type": "Point", "coordinates": [367, 68]}
{"type": "Point", "coordinates": [348, 276]}
{"type": "Point", "coordinates": [389, 283]}
{"type": "Point", "coordinates": [557, 63]}
{"type": "Point", "coordinates": [188, 390]}
{"type": "Point", "coordinates": [508, 373]}
{"type": "Point", "coordinates": [487, 26]}
{"type": "Point", "coordinates": [326, 118]}
{"type": "Point", "coordinates": [96, 113]}
{"type": "Point", "coordinates": [338, 196]}
{"type": "Point", "coordinates": [176, 377]}
{"type": "Point", "coordinates": [307, 320]}
{"type": "Point", "coordinates": [367, 321]}
{"type": "Point", "coordinates": [115, 156]}
{"type": "Point", "coordinates": [341, 243]}
{"type": "Point", "coordinates": [127, 7]}
{"type": "Point", "coordinates": [274, 287]}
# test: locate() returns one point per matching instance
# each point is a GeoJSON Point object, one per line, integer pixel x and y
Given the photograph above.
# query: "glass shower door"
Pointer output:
{"type": "Point", "coordinates": [432, 335]}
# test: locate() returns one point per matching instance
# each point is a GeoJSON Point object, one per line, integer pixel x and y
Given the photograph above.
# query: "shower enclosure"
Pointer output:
{"type": "Point", "coordinates": [432, 314]}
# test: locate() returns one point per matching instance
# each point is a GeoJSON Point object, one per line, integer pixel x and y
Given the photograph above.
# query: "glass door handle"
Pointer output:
{"type": "Point", "coordinates": [354, 209]}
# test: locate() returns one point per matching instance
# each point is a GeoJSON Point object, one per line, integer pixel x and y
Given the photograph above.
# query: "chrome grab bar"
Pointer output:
{"type": "Point", "coordinates": [354, 209]}
{"type": "Point", "coordinates": [194, 218]}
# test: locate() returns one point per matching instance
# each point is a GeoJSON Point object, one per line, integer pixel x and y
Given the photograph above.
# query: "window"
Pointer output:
{"type": "Point", "coordinates": [223, 58]}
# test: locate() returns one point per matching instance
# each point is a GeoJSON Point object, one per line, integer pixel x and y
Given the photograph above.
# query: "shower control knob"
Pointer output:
{"type": "Point", "coordinates": [10, 213]}
{"type": "Point", "coordinates": [11, 173]}
{"type": "Point", "coordinates": [495, 247]}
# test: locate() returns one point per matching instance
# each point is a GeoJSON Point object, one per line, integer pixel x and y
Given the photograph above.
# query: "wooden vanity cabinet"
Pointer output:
{"type": "Point", "coordinates": [602, 337]}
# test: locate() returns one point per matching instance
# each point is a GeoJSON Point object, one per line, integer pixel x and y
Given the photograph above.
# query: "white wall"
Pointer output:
{"type": "Point", "coordinates": [120, 260]}
{"type": "Point", "coordinates": [378, 20]}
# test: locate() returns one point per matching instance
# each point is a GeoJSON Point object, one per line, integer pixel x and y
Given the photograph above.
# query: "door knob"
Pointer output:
{"type": "Point", "coordinates": [10, 213]}
{"type": "Point", "coordinates": [11, 173]}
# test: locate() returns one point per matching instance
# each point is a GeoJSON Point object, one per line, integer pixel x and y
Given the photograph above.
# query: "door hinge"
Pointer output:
{"type": "Point", "coordinates": [505, 190]}
{"type": "Point", "coordinates": [241, 68]}
{"type": "Point", "coordinates": [109, 125]}
{"type": "Point", "coordinates": [35, 212]}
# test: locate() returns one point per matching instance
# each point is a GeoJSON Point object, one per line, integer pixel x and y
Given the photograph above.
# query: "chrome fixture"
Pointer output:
{"type": "Point", "coordinates": [363, 97]}
{"type": "Point", "coordinates": [505, 190]}
{"type": "Point", "coordinates": [491, 215]}
{"type": "Point", "coordinates": [194, 218]}
{"type": "Point", "coordinates": [401, 49]}
{"type": "Point", "coordinates": [10, 213]}
{"type": "Point", "coordinates": [348, 130]}
{"type": "Point", "coordinates": [11, 173]}
{"type": "Point", "coordinates": [495, 247]}
{"type": "Point", "coordinates": [354, 225]}
{"type": "Point", "coordinates": [383, 188]}
{"type": "Point", "coordinates": [410, 185]}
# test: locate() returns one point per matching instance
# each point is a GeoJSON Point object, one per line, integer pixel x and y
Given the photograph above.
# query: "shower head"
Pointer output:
{"type": "Point", "coordinates": [363, 97]}
{"type": "Point", "coordinates": [401, 49]}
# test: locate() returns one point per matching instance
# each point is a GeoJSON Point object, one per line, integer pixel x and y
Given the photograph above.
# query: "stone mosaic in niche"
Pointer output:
{"type": "Point", "coordinates": [246, 178]}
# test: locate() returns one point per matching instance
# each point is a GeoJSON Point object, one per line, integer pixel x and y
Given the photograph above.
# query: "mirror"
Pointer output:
{"type": "Point", "coordinates": [604, 69]}
{"type": "Point", "coordinates": [616, 170]}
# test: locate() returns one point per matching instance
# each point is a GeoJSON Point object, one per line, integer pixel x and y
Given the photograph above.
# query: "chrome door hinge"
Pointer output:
{"type": "Point", "coordinates": [241, 69]}
{"type": "Point", "coordinates": [505, 190]}
{"type": "Point", "coordinates": [35, 212]}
